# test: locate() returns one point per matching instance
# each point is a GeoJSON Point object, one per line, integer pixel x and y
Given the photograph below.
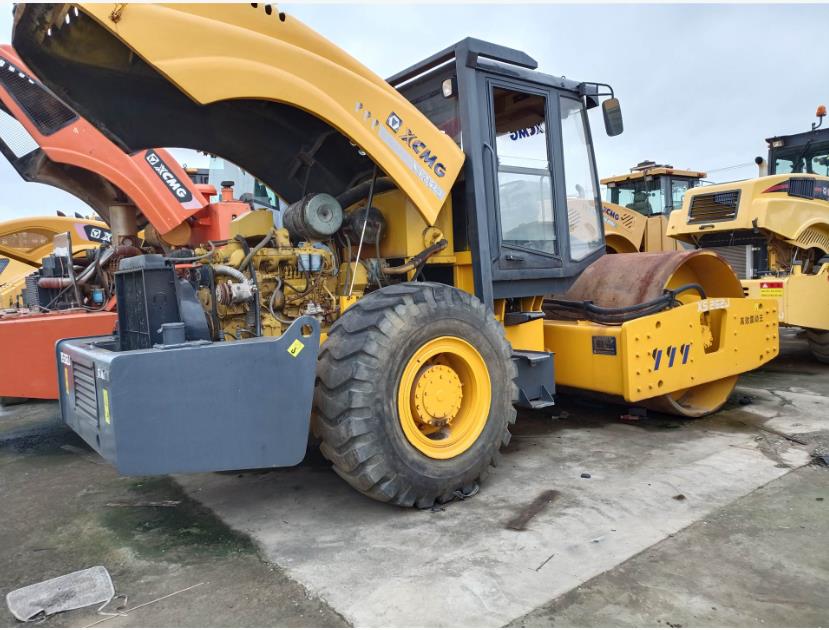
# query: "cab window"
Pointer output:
{"type": "Point", "coordinates": [524, 181]}
{"type": "Point", "coordinates": [813, 158]}
{"type": "Point", "coordinates": [642, 196]}
{"type": "Point", "coordinates": [678, 189]}
{"type": "Point", "coordinates": [583, 206]}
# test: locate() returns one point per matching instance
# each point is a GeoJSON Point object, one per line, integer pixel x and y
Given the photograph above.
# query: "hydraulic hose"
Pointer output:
{"type": "Point", "coordinates": [257, 315]}
{"type": "Point", "coordinates": [417, 260]}
{"type": "Point", "coordinates": [122, 251]}
{"type": "Point", "coordinates": [617, 315]}
{"type": "Point", "coordinates": [360, 191]}
{"type": "Point", "coordinates": [227, 270]}
{"type": "Point", "coordinates": [249, 257]}
{"type": "Point", "coordinates": [211, 244]}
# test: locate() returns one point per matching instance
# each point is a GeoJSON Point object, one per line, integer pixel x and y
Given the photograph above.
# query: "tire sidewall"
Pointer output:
{"type": "Point", "coordinates": [479, 329]}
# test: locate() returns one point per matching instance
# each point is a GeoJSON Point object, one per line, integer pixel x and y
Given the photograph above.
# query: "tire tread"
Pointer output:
{"type": "Point", "coordinates": [343, 414]}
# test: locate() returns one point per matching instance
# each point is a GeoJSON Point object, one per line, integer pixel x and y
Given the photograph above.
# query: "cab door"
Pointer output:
{"type": "Point", "coordinates": [525, 237]}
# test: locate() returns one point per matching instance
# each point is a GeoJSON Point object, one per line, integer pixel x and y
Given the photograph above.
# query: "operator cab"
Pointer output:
{"type": "Point", "coordinates": [528, 204]}
{"type": "Point", "coordinates": [651, 189]}
{"type": "Point", "coordinates": [800, 153]}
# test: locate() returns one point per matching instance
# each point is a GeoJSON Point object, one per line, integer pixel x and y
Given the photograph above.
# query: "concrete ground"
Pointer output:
{"type": "Point", "coordinates": [721, 521]}
{"type": "Point", "coordinates": [65, 509]}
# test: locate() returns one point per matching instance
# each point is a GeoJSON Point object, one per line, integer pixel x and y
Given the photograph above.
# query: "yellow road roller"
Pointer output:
{"type": "Point", "coordinates": [774, 230]}
{"type": "Point", "coordinates": [441, 259]}
{"type": "Point", "coordinates": [637, 206]}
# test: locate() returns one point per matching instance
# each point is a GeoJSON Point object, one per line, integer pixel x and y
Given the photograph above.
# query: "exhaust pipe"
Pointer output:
{"type": "Point", "coordinates": [762, 166]}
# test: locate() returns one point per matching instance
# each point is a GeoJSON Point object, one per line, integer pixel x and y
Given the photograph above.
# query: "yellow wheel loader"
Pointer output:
{"type": "Point", "coordinates": [637, 206]}
{"type": "Point", "coordinates": [442, 246]}
{"type": "Point", "coordinates": [774, 230]}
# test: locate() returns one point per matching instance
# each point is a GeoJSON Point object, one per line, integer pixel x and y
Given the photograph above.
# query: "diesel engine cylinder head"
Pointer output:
{"type": "Point", "coordinates": [315, 216]}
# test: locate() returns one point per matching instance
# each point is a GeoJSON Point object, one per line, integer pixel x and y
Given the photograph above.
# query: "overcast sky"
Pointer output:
{"type": "Point", "coordinates": [701, 86]}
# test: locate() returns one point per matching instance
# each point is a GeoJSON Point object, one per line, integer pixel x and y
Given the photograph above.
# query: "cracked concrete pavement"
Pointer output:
{"type": "Point", "coordinates": [712, 522]}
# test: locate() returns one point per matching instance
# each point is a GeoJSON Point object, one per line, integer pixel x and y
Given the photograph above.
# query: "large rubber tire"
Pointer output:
{"type": "Point", "coordinates": [819, 344]}
{"type": "Point", "coordinates": [360, 367]}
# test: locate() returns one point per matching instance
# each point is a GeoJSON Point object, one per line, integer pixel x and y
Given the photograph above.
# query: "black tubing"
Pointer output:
{"type": "Point", "coordinates": [360, 191]}
{"type": "Point", "coordinates": [605, 314]}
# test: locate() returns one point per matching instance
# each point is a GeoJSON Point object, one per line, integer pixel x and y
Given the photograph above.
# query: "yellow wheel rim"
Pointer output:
{"type": "Point", "coordinates": [444, 397]}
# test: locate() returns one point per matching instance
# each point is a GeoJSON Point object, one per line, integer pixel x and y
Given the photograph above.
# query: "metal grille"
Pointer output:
{"type": "Point", "coordinates": [721, 206]}
{"type": "Point", "coordinates": [31, 296]}
{"type": "Point", "coordinates": [802, 187]}
{"type": "Point", "coordinates": [15, 137]}
{"type": "Point", "coordinates": [46, 111]}
{"type": "Point", "coordinates": [86, 393]}
{"type": "Point", "coordinates": [737, 256]}
{"type": "Point", "coordinates": [812, 237]}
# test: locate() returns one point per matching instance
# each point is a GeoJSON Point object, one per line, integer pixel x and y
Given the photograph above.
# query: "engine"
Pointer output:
{"type": "Point", "coordinates": [260, 281]}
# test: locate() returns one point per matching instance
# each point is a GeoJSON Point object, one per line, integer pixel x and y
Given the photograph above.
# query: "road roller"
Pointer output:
{"type": "Point", "coordinates": [774, 230]}
{"type": "Point", "coordinates": [440, 263]}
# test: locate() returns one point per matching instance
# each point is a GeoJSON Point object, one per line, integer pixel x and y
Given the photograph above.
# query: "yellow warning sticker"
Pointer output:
{"type": "Point", "coordinates": [295, 348]}
{"type": "Point", "coordinates": [66, 378]}
{"type": "Point", "coordinates": [105, 394]}
{"type": "Point", "coordinates": [771, 292]}
{"type": "Point", "coordinates": [771, 289]}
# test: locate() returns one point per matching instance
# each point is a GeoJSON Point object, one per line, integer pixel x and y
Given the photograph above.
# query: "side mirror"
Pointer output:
{"type": "Point", "coordinates": [612, 111]}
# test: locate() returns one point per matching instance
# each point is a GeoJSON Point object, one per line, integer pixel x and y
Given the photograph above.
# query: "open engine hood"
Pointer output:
{"type": "Point", "coordinates": [242, 81]}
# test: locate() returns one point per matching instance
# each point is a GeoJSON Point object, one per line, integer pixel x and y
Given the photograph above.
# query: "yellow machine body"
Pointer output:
{"type": "Point", "coordinates": [287, 62]}
{"type": "Point", "coordinates": [26, 241]}
{"type": "Point", "coordinates": [799, 222]}
{"type": "Point", "coordinates": [650, 358]}
{"type": "Point", "coordinates": [641, 227]}
{"type": "Point", "coordinates": [626, 231]}
{"type": "Point", "coordinates": [790, 227]}
{"type": "Point", "coordinates": [800, 296]}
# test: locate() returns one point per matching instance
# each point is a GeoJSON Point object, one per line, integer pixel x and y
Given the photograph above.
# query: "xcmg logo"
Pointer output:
{"type": "Point", "coordinates": [97, 234]}
{"type": "Point", "coordinates": [611, 213]}
{"type": "Point", "coordinates": [166, 175]}
{"type": "Point", "coordinates": [423, 152]}
{"type": "Point", "coordinates": [417, 146]}
{"type": "Point", "coordinates": [520, 134]}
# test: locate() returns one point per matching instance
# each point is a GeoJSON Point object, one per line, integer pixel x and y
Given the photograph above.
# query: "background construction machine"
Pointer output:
{"type": "Point", "coordinates": [774, 229]}
{"type": "Point", "coordinates": [421, 268]}
{"type": "Point", "coordinates": [26, 241]}
{"type": "Point", "coordinates": [63, 296]}
{"type": "Point", "coordinates": [637, 206]}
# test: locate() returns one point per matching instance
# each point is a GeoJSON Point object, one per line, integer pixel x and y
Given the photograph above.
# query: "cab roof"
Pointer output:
{"type": "Point", "coordinates": [655, 171]}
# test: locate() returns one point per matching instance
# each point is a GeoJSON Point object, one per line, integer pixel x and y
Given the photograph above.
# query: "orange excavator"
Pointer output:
{"type": "Point", "coordinates": [72, 294]}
